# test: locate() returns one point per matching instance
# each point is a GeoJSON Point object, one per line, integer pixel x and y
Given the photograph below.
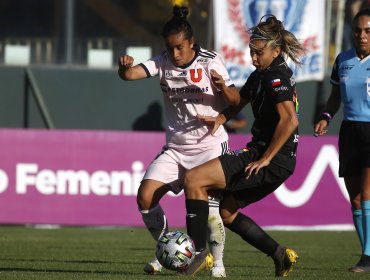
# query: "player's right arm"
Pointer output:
{"type": "Point", "coordinates": [226, 114]}
{"type": "Point", "coordinates": [127, 71]}
{"type": "Point", "coordinates": [332, 106]}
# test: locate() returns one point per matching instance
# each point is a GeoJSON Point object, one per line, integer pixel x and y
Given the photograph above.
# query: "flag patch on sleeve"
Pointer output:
{"type": "Point", "coordinates": [275, 82]}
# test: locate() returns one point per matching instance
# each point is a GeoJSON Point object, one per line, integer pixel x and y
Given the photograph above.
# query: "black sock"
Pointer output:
{"type": "Point", "coordinates": [197, 222]}
{"type": "Point", "coordinates": [365, 260]}
{"type": "Point", "coordinates": [253, 234]}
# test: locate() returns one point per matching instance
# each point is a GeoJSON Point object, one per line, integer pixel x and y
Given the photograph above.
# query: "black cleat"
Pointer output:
{"type": "Point", "coordinates": [284, 259]}
{"type": "Point", "coordinates": [362, 266]}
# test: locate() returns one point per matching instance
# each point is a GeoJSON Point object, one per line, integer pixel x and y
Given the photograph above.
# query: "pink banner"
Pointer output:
{"type": "Point", "coordinates": [72, 177]}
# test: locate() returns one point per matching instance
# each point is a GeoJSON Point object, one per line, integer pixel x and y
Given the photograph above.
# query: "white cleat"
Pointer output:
{"type": "Point", "coordinates": [153, 267]}
{"type": "Point", "coordinates": [218, 271]}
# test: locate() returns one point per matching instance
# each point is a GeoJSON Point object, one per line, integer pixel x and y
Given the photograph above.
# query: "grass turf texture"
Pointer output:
{"type": "Point", "coordinates": [121, 253]}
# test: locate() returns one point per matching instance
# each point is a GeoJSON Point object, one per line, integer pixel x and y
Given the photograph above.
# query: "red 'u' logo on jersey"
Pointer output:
{"type": "Point", "coordinates": [199, 75]}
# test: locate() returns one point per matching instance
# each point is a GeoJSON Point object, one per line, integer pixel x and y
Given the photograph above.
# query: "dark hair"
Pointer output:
{"type": "Point", "coordinates": [178, 23]}
{"type": "Point", "coordinates": [362, 12]}
{"type": "Point", "coordinates": [272, 30]}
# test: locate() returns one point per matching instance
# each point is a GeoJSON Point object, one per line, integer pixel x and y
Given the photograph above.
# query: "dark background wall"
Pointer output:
{"type": "Point", "coordinates": [99, 99]}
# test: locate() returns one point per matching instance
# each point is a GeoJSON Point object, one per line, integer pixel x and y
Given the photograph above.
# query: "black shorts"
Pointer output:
{"type": "Point", "coordinates": [247, 191]}
{"type": "Point", "coordinates": [354, 148]}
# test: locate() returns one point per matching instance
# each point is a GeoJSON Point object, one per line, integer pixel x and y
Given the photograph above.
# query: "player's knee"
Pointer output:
{"type": "Point", "coordinates": [365, 194]}
{"type": "Point", "coordinates": [189, 182]}
{"type": "Point", "coordinates": [356, 202]}
{"type": "Point", "coordinates": [227, 215]}
{"type": "Point", "coordinates": [143, 200]}
{"type": "Point", "coordinates": [141, 203]}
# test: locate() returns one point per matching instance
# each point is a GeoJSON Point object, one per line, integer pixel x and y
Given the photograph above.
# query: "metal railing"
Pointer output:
{"type": "Point", "coordinates": [30, 85]}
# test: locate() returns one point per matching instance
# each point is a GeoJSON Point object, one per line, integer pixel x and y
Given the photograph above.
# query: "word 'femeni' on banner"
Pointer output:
{"type": "Point", "coordinates": [76, 182]}
{"type": "Point", "coordinates": [233, 18]}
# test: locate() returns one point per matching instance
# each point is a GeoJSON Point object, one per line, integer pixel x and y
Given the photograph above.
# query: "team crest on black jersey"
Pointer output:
{"type": "Point", "coordinates": [276, 82]}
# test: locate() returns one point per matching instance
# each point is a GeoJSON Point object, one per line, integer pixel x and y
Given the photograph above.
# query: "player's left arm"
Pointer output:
{"type": "Point", "coordinates": [286, 126]}
{"type": "Point", "coordinates": [226, 114]}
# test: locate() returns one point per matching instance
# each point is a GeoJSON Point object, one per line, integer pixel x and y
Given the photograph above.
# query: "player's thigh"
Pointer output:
{"type": "Point", "coordinates": [208, 175]}
{"type": "Point", "coordinates": [164, 168]}
{"type": "Point", "coordinates": [150, 192]}
{"type": "Point", "coordinates": [160, 176]}
{"type": "Point", "coordinates": [353, 186]}
{"type": "Point", "coordinates": [228, 208]}
{"type": "Point", "coordinates": [366, 184]}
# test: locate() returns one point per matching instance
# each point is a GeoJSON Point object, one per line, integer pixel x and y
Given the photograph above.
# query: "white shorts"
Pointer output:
{"type": "Point", "coordinates": [171, 164]}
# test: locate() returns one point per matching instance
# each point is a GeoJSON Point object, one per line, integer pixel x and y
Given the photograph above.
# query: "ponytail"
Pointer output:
{"type": "Point", "coordinates": [178, 23]}
{"type": "Point", "coordinates": [272, 30]}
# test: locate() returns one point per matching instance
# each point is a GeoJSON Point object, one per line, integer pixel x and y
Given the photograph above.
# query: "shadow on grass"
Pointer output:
{"type": "Point", "coordinates": [33, 270]}
{"type": "Point", "coordinates": [17, 269]}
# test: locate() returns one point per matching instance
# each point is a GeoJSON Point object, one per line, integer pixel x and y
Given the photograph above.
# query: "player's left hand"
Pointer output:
{"type": "Point", "coordinates": [213, 122]}
{"type": "Point", "coordinates": [217, 80]}
{"type": "Point", "coordinates": [254, 167]}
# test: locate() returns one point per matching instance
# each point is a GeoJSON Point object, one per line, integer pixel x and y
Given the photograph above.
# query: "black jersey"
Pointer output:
{"type": "Point", "coordinates": [264, 89]}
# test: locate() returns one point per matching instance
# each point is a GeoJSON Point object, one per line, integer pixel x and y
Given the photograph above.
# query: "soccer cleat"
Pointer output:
{"type": "Point", "coordinates": [153, 267]}
{"type": "Point", "coordinates": [362, 266]}
{"type": "Point", "coordinates": [203, 260]}
{"type": "Point", "coordinates": [284, 259]}
{"type": "Point", "coordinates": [218, 271]}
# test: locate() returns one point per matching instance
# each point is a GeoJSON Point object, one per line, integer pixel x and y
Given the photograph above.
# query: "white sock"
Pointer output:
{"type": "Point", "coordinates": [216, 232]}
{"type": "Point", "coordinates": [155, 221]}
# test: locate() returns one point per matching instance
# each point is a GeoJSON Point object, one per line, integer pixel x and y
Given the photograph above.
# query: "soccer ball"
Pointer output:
{"type": "Point", "coordinates": [175, 250]}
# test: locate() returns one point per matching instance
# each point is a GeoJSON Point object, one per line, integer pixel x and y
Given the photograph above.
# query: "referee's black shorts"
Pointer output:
{"type": "Point", "coordinates": [247, 191]}
{"type": "Point", "coordinates": [354, 148]}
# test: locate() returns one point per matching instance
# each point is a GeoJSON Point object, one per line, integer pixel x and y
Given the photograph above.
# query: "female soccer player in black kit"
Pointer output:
{"type": "Point", "coordinates": [250, 174]}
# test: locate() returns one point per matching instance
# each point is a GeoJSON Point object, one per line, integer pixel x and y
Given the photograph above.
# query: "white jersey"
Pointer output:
{"type": "Point", "coordinates": [188, 91]}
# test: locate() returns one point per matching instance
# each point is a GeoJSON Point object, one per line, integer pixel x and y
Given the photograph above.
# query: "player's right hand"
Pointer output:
{"type": "Point", "coordinates": [320, 128]}
{"type": "Point", "coordinates": [213, 122]}
{"type": "Point", "coordinates": [125, 61]}
{"type": "Point", "coordinates": [217, 80]}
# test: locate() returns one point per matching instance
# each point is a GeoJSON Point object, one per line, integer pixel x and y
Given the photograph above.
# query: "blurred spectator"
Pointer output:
{"type": "Point", "coordinates": [151, 120]}
{"type": "Point", "coordinates": [236, 123]}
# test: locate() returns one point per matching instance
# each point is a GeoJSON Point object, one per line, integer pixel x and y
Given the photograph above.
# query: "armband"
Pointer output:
{"type": "Point", "coordinates": [326, 116]}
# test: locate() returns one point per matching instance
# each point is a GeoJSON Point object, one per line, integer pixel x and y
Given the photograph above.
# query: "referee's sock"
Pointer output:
{"type": "Point", "coordinates": [357, 221]}
{"type": "Point", "coordinates": [197, 222]}
{"type": "Point", "coordinates": [365, 206]}
{"type": "Point", "coordinates": [253, 234]}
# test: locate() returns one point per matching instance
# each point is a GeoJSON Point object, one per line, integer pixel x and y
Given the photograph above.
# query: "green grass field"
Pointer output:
{"type": "Point", "coordinates": [120, 253]}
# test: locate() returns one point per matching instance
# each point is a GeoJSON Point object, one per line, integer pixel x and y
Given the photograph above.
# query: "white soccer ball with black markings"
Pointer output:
{"type": "Point", "coordinates": [175, 250]}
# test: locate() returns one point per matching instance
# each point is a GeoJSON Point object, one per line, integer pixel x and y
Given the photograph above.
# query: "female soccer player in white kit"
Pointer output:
{"type": "Point", "coordinates": [194, 82]}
